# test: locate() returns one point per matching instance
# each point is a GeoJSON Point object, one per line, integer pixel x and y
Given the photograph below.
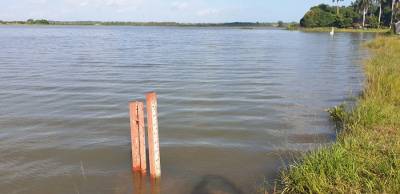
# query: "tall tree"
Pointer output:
{"type": "Point", "coordinates": [337, 5]}
{"type": "Point", "coordinates": [380, 2]}
{"type": "Point", "coordinates": [364, 6]}
{"type": "Point", "coordinates": [394, 2]}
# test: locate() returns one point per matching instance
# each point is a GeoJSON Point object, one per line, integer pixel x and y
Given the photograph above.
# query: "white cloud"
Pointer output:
{"type": "Point", "coordinates": [208, 12]}
{"type": "Point", "coordinates": [109, 3]}
{"type": "Point", "coordinates": [83, 3]}
{"type": "Point", "coordinates": [176, 5]}
{"type": "Point", "coordinates": [118, 2]}
{"type": "Point", "coordinates": [38, 1]}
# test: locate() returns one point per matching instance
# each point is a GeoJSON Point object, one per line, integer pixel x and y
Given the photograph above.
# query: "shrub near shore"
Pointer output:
{"type": "Point", "coordinates": [366, 156]}
{"type": "Point", "coordinates": [351, 30]}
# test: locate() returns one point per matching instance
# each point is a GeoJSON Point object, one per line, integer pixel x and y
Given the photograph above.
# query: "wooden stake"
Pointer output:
{"type": "Point", "coordinates": [133, 112]}
{"type": "Point", "coordinates": [137, 136]}
{"type": "Point", "coordinates": [152, 125]}
{"type": "Point", "coordinates": [142, 138]}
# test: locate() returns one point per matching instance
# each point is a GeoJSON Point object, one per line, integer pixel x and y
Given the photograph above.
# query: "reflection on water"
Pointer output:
{"type": "Point", "coordinates": [139, 183]}
{"type": "Point", "coordinates": [143, 184]}
{"type": "Point", "coordinates": [155, 186]}
{"type": "Point", "coordinates": [228, 98]}
{"type": "Point", "coordinates": [208, 184]}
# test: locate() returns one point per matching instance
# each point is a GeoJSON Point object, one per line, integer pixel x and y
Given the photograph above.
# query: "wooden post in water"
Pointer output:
{"type": "Point", "coordinates": [152, 125]}
{"type": "Point", "coordinates": [137, 136]}
{"type": "Point", "coordinates": [142, 138]}
{"type": "Point", "coordinates": [133, 112]}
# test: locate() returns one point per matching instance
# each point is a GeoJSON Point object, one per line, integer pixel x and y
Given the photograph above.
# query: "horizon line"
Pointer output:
{"type": "Point", "coordinates": [132, 21]}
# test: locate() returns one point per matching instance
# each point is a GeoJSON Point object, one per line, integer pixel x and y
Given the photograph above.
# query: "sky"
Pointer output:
{"type": "Point", "coordinates": [185, 11]}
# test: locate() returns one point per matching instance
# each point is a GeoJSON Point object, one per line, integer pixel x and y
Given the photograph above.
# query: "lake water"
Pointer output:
{"type": "Point", "coordinates": [234, 104]}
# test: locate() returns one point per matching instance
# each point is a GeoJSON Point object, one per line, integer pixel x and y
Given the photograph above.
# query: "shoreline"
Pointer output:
{"type": "Point", "coordinates": [159, 26]}
{"type": "Point", "coordinates": [343, 30]}
{"type": "Point", "coordinates": [365, 157]}
{"type": "Point", "coordinates": [156, 24]}
{"type": "Point", "coordinates": [217, 25]}
{"type": "Point", "coordinates": [316, 30]}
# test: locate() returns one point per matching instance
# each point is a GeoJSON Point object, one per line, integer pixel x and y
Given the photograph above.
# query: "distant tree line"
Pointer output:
{"type": "Point", "coordinates": [41, 21]}
{"type": "Point", "coordinates": [29, 21]}
{"type": "Point", "coordinates": [117, 23]}
{"type": "Point", "coordinates": [360, 14]}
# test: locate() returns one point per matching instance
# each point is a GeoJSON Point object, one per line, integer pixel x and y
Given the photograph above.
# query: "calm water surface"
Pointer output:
{"type": "Point", "coordinates": [234, 104]}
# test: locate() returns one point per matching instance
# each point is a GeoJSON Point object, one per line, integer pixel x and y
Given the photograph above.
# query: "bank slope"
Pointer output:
{"type": "Point", "coordinates": [366, 156]}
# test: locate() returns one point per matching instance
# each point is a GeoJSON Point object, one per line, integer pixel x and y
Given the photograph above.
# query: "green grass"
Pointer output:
{"type": "Point", "coordinates": [366, 155]}
{"type": "Point", "coordinates": [328, 29]}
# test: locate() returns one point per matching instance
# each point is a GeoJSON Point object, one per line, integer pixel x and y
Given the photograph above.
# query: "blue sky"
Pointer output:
{"type": "Point", "coordinates": [159, 10]}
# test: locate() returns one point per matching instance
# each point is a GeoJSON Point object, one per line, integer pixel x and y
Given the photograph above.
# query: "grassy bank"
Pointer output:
{"type": "Point", "coordinates": [323, 29]}
{"type": "Point", "coordinates": [366, 156]}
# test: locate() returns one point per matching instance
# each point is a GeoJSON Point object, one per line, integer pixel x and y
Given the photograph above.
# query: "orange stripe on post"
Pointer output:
{"type": "Point", "coordinates": [152, 124]}
{"type": "Point", "coordinates": [142, 137]}
{"type": "Point", "coordinates": [133, 112]}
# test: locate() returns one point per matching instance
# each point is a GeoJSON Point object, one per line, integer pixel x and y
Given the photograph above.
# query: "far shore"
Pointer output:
{"type": "Point", "coordinates": [241, 25]}
{"type": "Point", "coordinates": [160, 24]}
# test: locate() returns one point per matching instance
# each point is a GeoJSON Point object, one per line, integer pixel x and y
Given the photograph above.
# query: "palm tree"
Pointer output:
{"type": "Point", "coordinates": [394, 2]}
{"type": "Point", "coordinates": [364, 6]}
{"type": "Point", "coordinates": [380, 2]}
{"type": "Point", "coordinates": [337, 5]}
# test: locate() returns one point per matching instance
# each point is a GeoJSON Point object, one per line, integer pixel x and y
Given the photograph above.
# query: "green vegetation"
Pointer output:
{"type": "Point", "coordinates": [293, 26]}
{"type": "Point", "coordinates": [366, 156]}
{"type": "Point", "coordinates": [281, 24]}
{"type": "Point", "coordinates": [40, 22]}
{"type": "Point", "coordinates": [360, 14]}
{"type": "Point", "coordinates": [351, 30]}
